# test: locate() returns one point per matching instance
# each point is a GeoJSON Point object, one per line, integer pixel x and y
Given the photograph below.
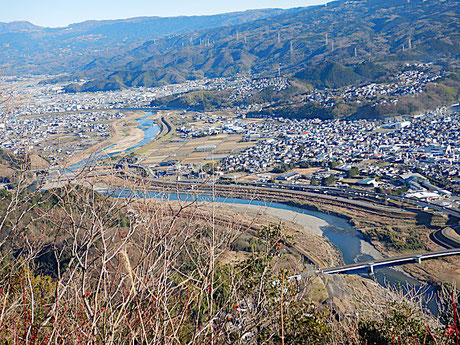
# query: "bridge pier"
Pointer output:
{"type": "Point", "coordinates": [402, 260]}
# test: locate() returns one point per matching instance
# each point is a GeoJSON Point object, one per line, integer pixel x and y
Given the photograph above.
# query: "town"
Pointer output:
{"type": "Point", "coordinates": [417, 155]}
{"type": "Point", "coordinates": [57, 135]}
{"type": "Point", "coordinates": [385, 154]}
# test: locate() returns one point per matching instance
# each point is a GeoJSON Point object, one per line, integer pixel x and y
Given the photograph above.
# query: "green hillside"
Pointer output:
{"type": "Point", "coordinates": [345, 32]}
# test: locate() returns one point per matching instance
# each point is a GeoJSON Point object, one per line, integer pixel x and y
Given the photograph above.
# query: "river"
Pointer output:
{"type": "Point", "coordinates": [148, 126]}
{"type": "Point", "coordinates": [338, 231]}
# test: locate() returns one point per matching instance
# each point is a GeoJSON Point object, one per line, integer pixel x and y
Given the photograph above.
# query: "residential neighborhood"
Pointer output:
{"type": "Point", "coordinates": [383, 151]}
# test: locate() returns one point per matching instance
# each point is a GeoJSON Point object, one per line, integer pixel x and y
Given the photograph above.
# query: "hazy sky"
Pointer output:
{"type": "Point", "coordinates": [63, 12]}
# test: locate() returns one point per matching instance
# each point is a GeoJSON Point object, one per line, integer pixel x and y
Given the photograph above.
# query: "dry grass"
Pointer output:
{"type": "Point", "coordinates": [130, 270]}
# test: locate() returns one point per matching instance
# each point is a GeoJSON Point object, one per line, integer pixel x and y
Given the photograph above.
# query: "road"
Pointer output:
{"type": "Point", "coordinates": [448, 239]}
{"type": "Point", "coordinates": [370, 266]}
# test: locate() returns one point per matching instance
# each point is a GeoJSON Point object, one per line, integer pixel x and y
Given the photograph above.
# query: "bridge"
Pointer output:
{"type": "Point", "coordinates": [370, 266]}
{"type": "Point", "coordinates": [448, 238]}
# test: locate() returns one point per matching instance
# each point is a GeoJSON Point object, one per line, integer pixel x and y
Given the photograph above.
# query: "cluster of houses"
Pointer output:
{"type": "Point", "coordinates": [34, 96]}
{"type": "Point", "coordinates": [213, 125]}
{"type": "Point", "coordinates": [246, 88]}
{"type": "Point", "coordinates": [409, 82]}
{"type": "Point", "coordinates": [36, 133]}
{"type": "Point", "coordinates": [428, 144]}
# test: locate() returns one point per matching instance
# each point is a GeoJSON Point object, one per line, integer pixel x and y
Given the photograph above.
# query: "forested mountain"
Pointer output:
{"type": "Point", "coordinates": [345, 32]}
{"type": "Point", "coordinates": [27, 48]}
{"type": "Point", "coordinates": [18, 26]}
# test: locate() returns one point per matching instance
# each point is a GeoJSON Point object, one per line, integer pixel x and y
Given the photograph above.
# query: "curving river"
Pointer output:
{"type": "Point", "coordinates": [339, 231]}
{"type": "Point", "coordinates": [148, 126]}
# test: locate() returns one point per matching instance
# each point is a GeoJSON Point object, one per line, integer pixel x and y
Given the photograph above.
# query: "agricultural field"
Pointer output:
{"type": "Point", "coordinates": [169, 146]}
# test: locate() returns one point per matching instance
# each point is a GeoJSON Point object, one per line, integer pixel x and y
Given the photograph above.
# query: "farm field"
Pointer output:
{"type": "Point", "coordinates": [169, 146]}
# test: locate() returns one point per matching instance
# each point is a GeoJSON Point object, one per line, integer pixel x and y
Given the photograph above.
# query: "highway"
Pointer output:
{"type": "Point", "coordinates": [346, 192]}
{"type": "Point", "coordinates": [448, 238]}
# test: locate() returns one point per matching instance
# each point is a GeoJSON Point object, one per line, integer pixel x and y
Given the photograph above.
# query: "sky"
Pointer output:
{"type": "Point", "coordinates": [57, 13]}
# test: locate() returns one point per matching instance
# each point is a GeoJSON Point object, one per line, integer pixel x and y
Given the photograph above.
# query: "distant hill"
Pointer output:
{"type": "Point", "coordinates": [297, 43]}
{"type": "Point", "coordinates": [18, 26]}
{"type": "Point", "coordinates": [335, 75]}
{"type": "Point", "coordinates": [26, 48]}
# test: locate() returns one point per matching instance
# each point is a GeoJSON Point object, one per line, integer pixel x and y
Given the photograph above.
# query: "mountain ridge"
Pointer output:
{"type": "Point", "coordinates": [26, 48]}
{"type": "Point", "coordinates": [19, 25]}
{"type": "Point", "coordinates": [347, 32]}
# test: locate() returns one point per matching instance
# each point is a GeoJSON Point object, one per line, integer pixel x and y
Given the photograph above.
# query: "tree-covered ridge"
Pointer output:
{"type": "Point", "coordinates": [26, 48]}
{"type": "Point", "coordinates": [346, 32]}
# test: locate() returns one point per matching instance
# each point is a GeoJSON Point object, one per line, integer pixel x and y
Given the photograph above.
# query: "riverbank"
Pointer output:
{"type": "Point", "coordinates": [308, 223]}
{"type": "Point", "coordinates": [369, 220]}
{"type": "Point", "coordinates": [167, 130]}
{"type": "Point", "coordinates": [240, 224]}
{"type": "Point", "coordinates": [124, 133]}
{"type": "Point", "coordinates": [375, 227]}
{"type": "Point", "coordinates": [128, 135]}
{"type": "Point", "coordinates": [306, 230]}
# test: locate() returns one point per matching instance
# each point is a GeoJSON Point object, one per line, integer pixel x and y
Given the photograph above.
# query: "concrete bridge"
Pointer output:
{"type": "Point", "coordinates": [370, 266]}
